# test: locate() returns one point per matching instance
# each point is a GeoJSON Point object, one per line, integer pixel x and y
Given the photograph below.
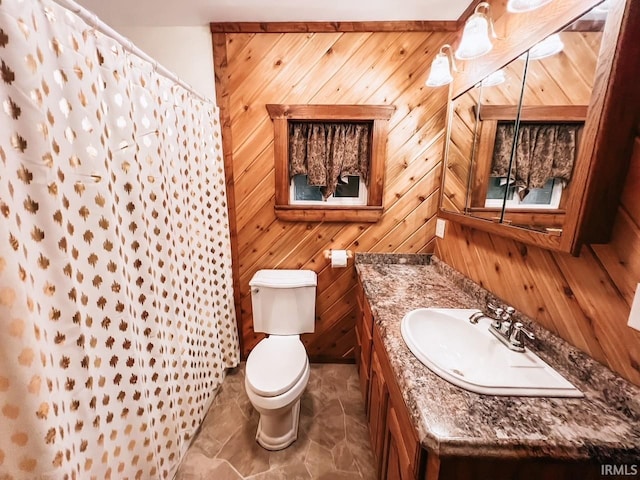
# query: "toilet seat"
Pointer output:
{"type": "Point", "coordinates": [275, 365]}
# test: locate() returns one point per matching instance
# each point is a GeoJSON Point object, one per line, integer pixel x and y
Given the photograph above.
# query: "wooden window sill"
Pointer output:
{"type": "Point", "coordinates": [319, 213]}
{"type": "Point", "coordinates": [547, 211]}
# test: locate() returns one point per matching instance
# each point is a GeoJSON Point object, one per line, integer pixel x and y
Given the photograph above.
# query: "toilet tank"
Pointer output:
{"type": "Point", "coordinates": [284, 301]}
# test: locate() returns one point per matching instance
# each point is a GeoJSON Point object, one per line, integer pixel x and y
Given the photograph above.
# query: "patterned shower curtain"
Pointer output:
{"type": "Point", "coordinates": [116, 302]}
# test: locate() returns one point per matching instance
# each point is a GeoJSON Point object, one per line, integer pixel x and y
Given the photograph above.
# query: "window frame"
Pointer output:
{"type": "Point", "coordinates": [282, 114]}
{"type": "Point", "coordinates": [490, 115]}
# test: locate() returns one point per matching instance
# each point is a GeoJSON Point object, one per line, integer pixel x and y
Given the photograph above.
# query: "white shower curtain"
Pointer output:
{"type": "Point", "coordinates": [116, 302]}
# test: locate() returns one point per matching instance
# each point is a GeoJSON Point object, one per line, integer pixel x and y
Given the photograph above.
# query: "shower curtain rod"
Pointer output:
{"type": "Point", "coordinates": [95, 22]}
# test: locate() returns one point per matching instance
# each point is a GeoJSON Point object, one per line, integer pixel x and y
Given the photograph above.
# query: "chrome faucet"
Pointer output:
{"type": "Point", "coordinates": [502, 319]}
{"type": "Point", "coordinates": [476, 316]}
{"type": "Point", "coordinates": [510, 333]}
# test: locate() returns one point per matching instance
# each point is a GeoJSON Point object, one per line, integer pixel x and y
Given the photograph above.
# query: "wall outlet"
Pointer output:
{"type": "Point", "coordinates": [634, 316]}
{"type": "Point", "coordinates": [440, 225]}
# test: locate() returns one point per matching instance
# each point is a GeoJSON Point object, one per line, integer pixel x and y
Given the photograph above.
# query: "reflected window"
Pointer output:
{"type": "Point", "coordinates": [546, 197]}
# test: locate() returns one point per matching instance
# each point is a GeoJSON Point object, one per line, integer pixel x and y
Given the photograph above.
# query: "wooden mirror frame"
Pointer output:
{"type": "Point", "coordinates": [610, 127]}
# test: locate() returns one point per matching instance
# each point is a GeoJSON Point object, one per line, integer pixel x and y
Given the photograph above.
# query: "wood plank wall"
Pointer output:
{"type": "Point", "coordinates": [586, 300]}
{"type": "Point", "coordinates": [254, 69]}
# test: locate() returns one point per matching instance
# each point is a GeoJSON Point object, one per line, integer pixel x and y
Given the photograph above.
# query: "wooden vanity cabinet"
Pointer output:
{"type": "Point", "coordinates": [395, 444]}
{"type": "Point", "coordinates": [394, 440]}
{"type": "Point", "coordinates": [400, 455]}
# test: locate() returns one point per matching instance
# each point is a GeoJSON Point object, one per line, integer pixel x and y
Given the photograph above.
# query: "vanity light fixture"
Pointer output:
{"type": "Point", "coordinates": [546, 48]}
{"type": "Point", "coordinates": [441, 68]}
{"type": "Point", "coordinates": [476, 35]}
{"type": "Point", "coordinates": [521, 6]}
{"type": "Point", "coordinates": [496, 78]}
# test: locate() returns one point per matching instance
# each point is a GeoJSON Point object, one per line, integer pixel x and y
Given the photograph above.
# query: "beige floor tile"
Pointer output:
{"type": "Point", "coordinates": [199, 467]}
{"type": "Point", "coordinates": [332, 444]}
{"type": "Point", "coordinates": [297, 471]}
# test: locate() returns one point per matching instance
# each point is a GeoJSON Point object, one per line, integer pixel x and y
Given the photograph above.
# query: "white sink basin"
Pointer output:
{"type": "Point", "coordinates": [471, 357]}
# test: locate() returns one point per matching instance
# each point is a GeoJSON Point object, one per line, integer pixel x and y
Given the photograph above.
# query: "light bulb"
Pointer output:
{"type": "Point", "coordinates": [496, 78]}
{"type": "Point", "coordinates": [475, 40]}
{"type": "Point", "coordinates": [440, 72]}
{"type": "Point", "coordinates": [546, 48]}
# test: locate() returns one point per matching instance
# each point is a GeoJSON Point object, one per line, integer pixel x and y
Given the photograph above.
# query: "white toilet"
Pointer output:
{"type": "Point", "coordinates": [277, 369]}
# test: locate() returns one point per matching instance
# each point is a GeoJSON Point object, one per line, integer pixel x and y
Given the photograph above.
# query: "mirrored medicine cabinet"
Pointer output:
{"type": "Point", "coordinates": [528, 154]}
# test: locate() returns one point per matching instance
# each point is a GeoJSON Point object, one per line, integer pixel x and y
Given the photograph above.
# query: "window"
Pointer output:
{"type": "Point", "coordinates": [355, 199]}
{"type": "Point", "coordinates": [547, 197]}
{"type": "Point", "coordinates": [495, 142]}
{"type": "Point", "coordinates": [351, 190]}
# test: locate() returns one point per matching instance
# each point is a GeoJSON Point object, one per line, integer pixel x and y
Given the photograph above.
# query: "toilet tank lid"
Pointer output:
{"type": "Point", "coordinates": [284, 278]}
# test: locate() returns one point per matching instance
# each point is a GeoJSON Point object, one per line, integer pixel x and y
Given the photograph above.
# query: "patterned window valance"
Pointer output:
{"type": "Point", "coordinates": [326, 151]}
{"type": "Point", "coordinates": [544, 151]}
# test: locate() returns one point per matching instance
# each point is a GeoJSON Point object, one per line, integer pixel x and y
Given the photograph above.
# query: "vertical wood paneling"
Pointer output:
{"type": "Point", "coordinates": [331, 68]}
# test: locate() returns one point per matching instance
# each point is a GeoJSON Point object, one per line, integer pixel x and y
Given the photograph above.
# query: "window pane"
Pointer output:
{"type": "Point", "coordinates": [497, 188]}
{"type": "Point", "coordinates": [304, 191]}
{"type": "Point", "coordinates": [350, 188]}
{"type": "Point", "coordinates": [540, 196]}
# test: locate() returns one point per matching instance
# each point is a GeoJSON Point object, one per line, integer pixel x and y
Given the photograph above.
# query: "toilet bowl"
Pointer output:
{"type": "Point", "coordinates": [277, 372]}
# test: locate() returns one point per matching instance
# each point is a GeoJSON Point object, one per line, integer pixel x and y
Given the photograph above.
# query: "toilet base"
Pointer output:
{"type": "Point", "coordinates": [278, 429]}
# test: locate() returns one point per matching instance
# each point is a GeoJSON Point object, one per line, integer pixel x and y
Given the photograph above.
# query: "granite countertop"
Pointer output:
{"type": "Point", "coordinates": [603, 427]}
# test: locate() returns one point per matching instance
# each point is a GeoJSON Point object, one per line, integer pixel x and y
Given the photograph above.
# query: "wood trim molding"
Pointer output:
{"type": "Point", "coordinates": [332, 27]}
{"type": "Point", "coordinates": [222, 97]}
{"type": "Point", "coordinates": [378, 114]}
{"type": "Point", "coordinates": [331, 112]}
{"type": "Point", "coordinates": [514, 232]}
{"type": "Point", "coordinates": [303, 213]}
{"type": "Point", "coordinates": [549, 220]}
{"type": "Point", "coordinates": [530, 113]}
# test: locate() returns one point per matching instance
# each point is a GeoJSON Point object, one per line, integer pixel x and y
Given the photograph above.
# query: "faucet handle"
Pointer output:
{"type": "Point", "coordinates": [497, 311]}
{"type": "Point", "coordinates": [516, 335]}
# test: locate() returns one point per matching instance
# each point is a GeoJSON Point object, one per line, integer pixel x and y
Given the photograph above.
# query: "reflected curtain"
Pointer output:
{"type": "Point", "coordinates": [116, 302]}
{"type": "Point", "coordinates": [543, 152]}
{"type": "Point", "coordinates": [326, 152]}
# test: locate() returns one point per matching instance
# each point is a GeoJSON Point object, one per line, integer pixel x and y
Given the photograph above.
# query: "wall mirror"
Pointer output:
{"type": "Point", "coordinates": [515, 159]}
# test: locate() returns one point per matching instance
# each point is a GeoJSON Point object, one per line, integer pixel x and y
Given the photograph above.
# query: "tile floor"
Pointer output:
{"type": "Point", "coordinates": [333, 439]}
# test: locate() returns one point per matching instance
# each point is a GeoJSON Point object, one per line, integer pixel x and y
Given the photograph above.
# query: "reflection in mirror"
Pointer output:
{"type": "Point", "coordinates": [542, 103]}
{"type": "Point", "coordinates": [557, 91]}
{"type": "Point", "coordinates": [469, 153]}
{"type": "Point", "coordinates": [460, 150]}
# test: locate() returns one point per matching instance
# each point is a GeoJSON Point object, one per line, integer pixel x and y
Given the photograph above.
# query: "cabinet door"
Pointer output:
{"type": "Point", "coordinates": [378, 399]}
{"type": "Point", "coordinates": [392, 467]}
{"type": "Point", "coordinates": [398, 459]}
{"type": "Point", "coordinates": [363, 328]}
{"type": "Point", "coordinates": [402, 454]}
{"type": "Point", "coordinates": [362, 363]}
